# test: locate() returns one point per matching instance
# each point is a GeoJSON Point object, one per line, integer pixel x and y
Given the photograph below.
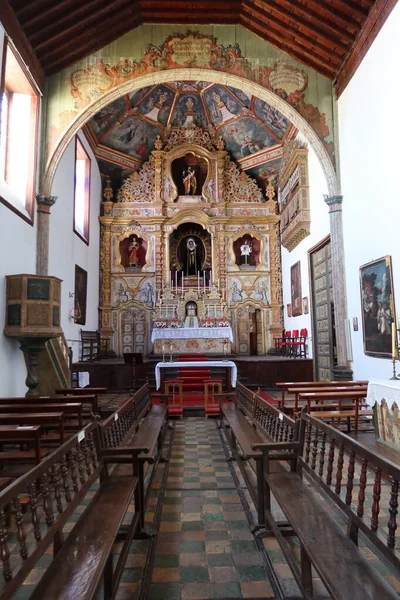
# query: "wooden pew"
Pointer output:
{"type": "Point", "coordinates": [88, 391]}
{"type": "Point", "coordinates": [55, 420]}
{"type": "Point", "coordinates": [353, 398]}
{"type": "Point", "coordinates": [26, 434]}
{"type": "Point", "coordinates": [71, 409]}
{"type": "Point", "coordinates": [250, 420]}
{"type": "Point", "coordinates": [90, 400]}
{"type": "Point", "coordinates": [138, 423]}
{"type": "Point", "coordinates": [328, 460]}
{"type": "Point", "coordinates": [56, 487]}
{"type": "Point", "coordinates": [285, 385]}
{"type": "Point", "coordinates": [295, 407]}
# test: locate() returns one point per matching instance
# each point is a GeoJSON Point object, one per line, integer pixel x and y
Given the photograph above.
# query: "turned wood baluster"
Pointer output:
{"type": "Point", "coordinates": [35, 519]}
{"type": "Point", "coordinates": [393, 505]}
{"type": "Point", "coordinates": [339, 472]}
{"type": "Point", "coordinates": [114, 441]}
{"type": "Point", "coordinates": [331, 458]}
{"type": "Point", "coordinates": [64, 475]}
{"type": "Point", "coordinates": [308, 442]}
{"type": "Point", "coordinates": [47, 504]}
{"type": "Point", "coordinates": [286, 436]}
{"type": "Point", "coordinates": [71, 464]}
{"type": "Point", "coordinates": [350, 477]}
{"type": "Point", "coordinates": [80, 459]}
{"type": "Point", "coordinates": [4, 548]}
{"type": "Point", "coordinates": [273, 428]}
{"type": "Point", "coordinates": [281, 430]}
{"type": "Point", "coordinates": [86, 456]}
{"type": "Point", "coordinates": [314, 450]}
{"type": "Point", "coordinates": [92, 451]}
{"type": "Point", "coordinates": [322, 455]}
{"type": "Point", "coordinates": [54, 482]}
{"type": "Point", "coordinates": [269, 424]}
{"type": "Point", "coordinates": [377, 497]}
{"type": "Point", "coordinates": [362, 487]}
{"type": "Point", "coordinates": [21, 535]}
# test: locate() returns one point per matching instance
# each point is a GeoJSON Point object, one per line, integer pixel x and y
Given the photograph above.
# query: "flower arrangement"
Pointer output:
{"type": "Point", "coordinates": [174, 323]}
{"type": "Point", "coordinates": [160, 324]}
{"type": "Point", "coordinates": [223, 322]}
{"type": "Point", "coordinates": [208, 322]}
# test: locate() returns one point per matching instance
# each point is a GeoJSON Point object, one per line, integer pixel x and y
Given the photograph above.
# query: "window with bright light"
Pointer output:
{"type": "Point", "coordinates": [82, 192]}
{"type": "Point", "coordinates": [18, 136]}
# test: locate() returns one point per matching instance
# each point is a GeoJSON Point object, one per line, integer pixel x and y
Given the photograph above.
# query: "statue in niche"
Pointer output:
{"type": "Point", "coordinates": [247, 252]}
{"type": "Point", "coordinates": [133, 252]}
{"type": "Point", "coordinates": [189, 181]}
{"type": "Point", "coordinates": [191, 319]}
{"type": "Point", "coordinates": [191, 255]}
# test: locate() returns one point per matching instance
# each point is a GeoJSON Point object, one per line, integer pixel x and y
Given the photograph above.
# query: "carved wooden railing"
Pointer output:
{"type": "Point", "coordinates": [345, 470]}
{"type": "Point", "coordinates": [142, 401]}
{"type": "Point", "coordinates": [276, 425]}
{"type": "Point", "coordinates": [49, 493]}
{"type": "Point", "coordinates": [245, 399]}
{"type": "Point", "coordinates": [116, 427]}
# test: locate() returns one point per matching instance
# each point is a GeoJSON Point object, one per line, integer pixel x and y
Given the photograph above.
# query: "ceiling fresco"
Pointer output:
{"type": "Point", "coordinates": [123, 133]}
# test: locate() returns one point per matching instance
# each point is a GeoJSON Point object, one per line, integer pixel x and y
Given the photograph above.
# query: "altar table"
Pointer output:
{"type": "Point", "coordinates": [383, 388]}
{"type": "Point", "coordinates": [229, 364]}
{"type": "Point", "coordinates": [179, 333]}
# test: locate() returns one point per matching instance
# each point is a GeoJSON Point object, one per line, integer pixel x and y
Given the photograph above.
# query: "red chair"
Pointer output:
{"type": "Point", "coordinates": [173, 391]}
{"type": "Point", "coordinates": [211, 401]}
{"type": "Point", "coordinates": [290, 343]}
{"type": "Point", "coordinates": [299, 345]}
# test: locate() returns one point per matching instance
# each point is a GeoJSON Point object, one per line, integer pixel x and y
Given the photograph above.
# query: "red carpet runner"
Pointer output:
{"type": "Point", "coordinates": [193, 379]}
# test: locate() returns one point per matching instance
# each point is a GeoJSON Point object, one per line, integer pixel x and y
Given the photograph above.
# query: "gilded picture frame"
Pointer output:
{"type": "Point", "coordinates": [295, 286]}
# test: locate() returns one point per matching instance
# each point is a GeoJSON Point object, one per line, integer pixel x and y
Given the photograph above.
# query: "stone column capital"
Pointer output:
{"type": "Point", "coordinates": [44, 203]}
{"type": "Point", "coordinates": [334, 202]}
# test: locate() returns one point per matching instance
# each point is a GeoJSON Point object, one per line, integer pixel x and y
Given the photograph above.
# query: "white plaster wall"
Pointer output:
{"type": "Point", "coordinates": [369, 132]}
{"type": "Point", "coordinates": [68, 250]}
{"type": "Point", "coordinates": [17, 255]}
{"type": "Point", "coordinates": [319, 230]}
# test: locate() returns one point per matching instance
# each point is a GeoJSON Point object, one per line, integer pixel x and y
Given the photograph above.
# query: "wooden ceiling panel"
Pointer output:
{"type": "Point", "coordinates": [326, 35]}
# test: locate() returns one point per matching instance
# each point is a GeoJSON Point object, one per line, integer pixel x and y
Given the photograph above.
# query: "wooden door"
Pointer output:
{"type": "Point", "coordinates": [324, 342]}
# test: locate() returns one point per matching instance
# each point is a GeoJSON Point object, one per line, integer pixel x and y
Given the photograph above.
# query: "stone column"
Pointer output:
{"type": "Point", "coordinates": [44, 203]}
{"type": "Point", "coordinates": [342, 370]}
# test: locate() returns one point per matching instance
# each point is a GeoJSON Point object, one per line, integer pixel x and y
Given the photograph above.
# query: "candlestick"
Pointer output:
{"type": "Point", "coordinates": [183, 277]}
{"type": "Point", "coordinates": [198, 282]}
{"type": "Point", "coordinates": [176, 282]}
{"type": "Point", "coordinates": [394, 334]}
{"type": "Point", "coordinates": [204, 281]}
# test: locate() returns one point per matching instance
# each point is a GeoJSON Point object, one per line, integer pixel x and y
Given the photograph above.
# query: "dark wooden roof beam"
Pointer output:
{"type": "Point", "coordinates": [22, 8]}
{"type": "Point", "coordinates": [301, 54]}
{"type": "Point", "coordinates": [193, 19]}
{"type": "Point", "coordinates": [353, 7]}
{"type": "Point", "coordinates": [107, 33]}
{"type": "Point", "coordinates": [293, 35]}
{"type": "Point", "coordinates": [332, 29]}
{"type": "Point", "coordinates": [332, 13]}
{"type": "Point", "coordinates": [322, 37]}
{"type": "Point", "coordinates": [69, 28]}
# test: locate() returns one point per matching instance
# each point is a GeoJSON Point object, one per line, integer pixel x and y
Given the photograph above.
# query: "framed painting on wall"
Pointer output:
{"type": "Point", "coordinates": [305, 306]}
{"type": "Point", "coordinates": [377, 307]}
{"type": "Point", "coordinates": [80, 296]}
{"type": "Point", "coordinates": [289, 310]}
{"type": "Point", "coordinates": [295, 284]}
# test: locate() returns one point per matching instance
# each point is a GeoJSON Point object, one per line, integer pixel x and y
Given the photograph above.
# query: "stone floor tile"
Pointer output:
{"type": "Point", "coordinates": [228, 573]}
{"type": "Point", "coordinates": [196, 591]}
{"type": "Point", "coordinates": [226, 590]}
{"type": "Point", "coordinates": [194, 574]}
{"type": "Point", "coordinates": [257, 589]}
{"type": "Point", "coordinates": [196, 559]}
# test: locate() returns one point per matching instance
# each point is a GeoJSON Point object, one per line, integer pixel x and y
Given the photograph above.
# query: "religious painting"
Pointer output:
{"type": "Point", "coordinates": [133, 253]}
{"type": "Point", "coordinates": [289, 309]}
{"type": "Point", "coordinates": [271, 117]}
{"type": "Point", "coordinates": [246, 136]}
{"type": "Point", "coordinates": [133, 136]}
{"type": "Point", "coordinates": [221, 105]}
{"type": "Point", "coordinates": [295, 286]}
{"type": "Point", "coordinates": [355, 323]}
{"type": "Point", "coordinates": [305, 306]}
{"type": "Point", "coordinates": [108, 116]}
{"type": "Point", "coordinates": [80, 295]}
{"type": "Point", "coordinates": [377, 307]}
{"type": "Point", "coordinates": [247, 252]}
{"type": "Point", "coordinates": [157, 105]}
{"type": "Point", "coordinates": [189, 108]}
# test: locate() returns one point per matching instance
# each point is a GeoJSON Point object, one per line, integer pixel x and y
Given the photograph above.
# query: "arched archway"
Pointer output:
{"type": "Point", "coordinates": [188, 74]}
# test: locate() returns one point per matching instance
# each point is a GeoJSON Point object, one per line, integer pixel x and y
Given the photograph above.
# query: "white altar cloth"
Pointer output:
{"type": "Point", "coordinates": [180, 333]}
{"type": "Point", "coordinates": [383, 388]}
{"type": "Point", "coordinates": [202, 363]}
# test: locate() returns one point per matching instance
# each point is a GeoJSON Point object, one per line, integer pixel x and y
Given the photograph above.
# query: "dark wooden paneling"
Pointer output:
{"type": "Point", "coordinates": [267, 373]}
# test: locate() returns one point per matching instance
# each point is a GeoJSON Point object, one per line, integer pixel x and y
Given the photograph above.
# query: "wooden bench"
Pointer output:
{"type": "Point", "coordinates": [295, 406]}
{"type": "Point", "coordinates": [347, 402]}
{"type": "Point", "coordinates": [285, 386]}
{"type": "Point", "coordinates": [56, 487]}
{"type": "Point", "coordinates": [247, 421]}
{"type": "Point", "coordinates": [88, 391]}
{"type": "Point", "coordinates": [138, 423]}
{"type": "Point", "coordinates": [26, 434]}
{"type": "Point", "coordinates": [70, 409]}
{"type": "Point", "coordinates": [325, 464]}
{"type": "Point", "coordinates": [53, 420]}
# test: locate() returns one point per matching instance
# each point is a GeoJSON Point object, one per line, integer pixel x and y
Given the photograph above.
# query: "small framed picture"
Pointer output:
{"type": "Point", "coordinates": [355, 323]}
{"type": "Point", "coordinates": [305, 305]}
{"type": "Point", "coordinates": [289, 309]}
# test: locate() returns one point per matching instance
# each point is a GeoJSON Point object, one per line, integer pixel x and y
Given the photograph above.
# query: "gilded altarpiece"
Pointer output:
{"type": "Point", "coordinates": [237, 284]}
